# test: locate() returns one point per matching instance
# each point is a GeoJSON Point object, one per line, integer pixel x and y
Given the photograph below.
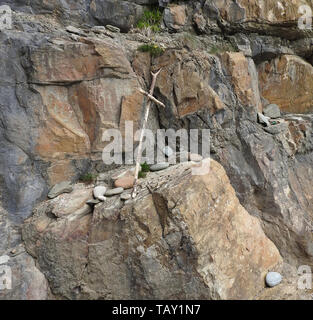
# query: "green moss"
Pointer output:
{"type": "Point", "coordinates": [150, 19]}
{"type": "Point", "coordinates": [144, 169]}
{"type": "Point", "coordinates": [88, 178]}
{"type": "Point", "coordinates": [154, 49]}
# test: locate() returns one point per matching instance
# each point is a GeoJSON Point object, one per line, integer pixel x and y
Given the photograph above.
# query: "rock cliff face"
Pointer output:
{"type": "Point", "coordinates": [65, 78]}
{"type": "Point", "coordinates": [188, 239]}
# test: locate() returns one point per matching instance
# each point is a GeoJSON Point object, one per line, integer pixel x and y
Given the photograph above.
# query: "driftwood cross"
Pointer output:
{"type": "Point", "coordinates": [151, 99]}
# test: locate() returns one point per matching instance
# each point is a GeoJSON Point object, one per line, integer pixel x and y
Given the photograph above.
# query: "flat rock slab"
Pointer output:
{"type": "Point", "coordinates": [272, 111]}
{"type": "Point", "coordinates": [67, 204]}
{"type": "Point", "coordinates": [114, 192]}
{"type": "Point", "coordinates": [159, 166]}
{"type": "Point", "coordinates": [62, 187]}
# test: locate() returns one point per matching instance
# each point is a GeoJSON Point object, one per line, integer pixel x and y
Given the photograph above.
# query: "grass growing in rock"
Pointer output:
{"type": "Point", "coordinates": [150, 19]}
{"type": "Point", "coordinates": [154, 49]}
{"type": "Point", "coordinates": [88, 178]}
{"type": "Point", "coordinates": [222, 48]}
{"type": "Point", "coordinates": [144, 169]}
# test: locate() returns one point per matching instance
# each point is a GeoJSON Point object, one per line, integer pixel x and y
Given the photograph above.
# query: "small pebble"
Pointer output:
{"type": "Point", "coordinates": [273, 279]}
{"type": "Point", "coordinates": [114, 192]}
{"type": "Point", "coordinates": [99, 192]}
{"type": "Point", "coordinates": [159, 166]}
{"type": "Point", "coordinates": [125, 196]}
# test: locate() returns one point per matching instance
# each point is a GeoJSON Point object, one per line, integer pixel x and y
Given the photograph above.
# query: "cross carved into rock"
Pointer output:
{"type": "Point", "coordinates": [144, 124]}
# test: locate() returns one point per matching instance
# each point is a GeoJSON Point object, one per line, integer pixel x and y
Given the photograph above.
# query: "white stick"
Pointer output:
{"type": "Point", "coordinates": [138, 160]}
{"type": "Point", "coordinates": [152, 98]}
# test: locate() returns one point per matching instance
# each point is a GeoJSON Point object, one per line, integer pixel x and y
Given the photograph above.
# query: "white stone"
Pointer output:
{"type": "Point", "coordinates": [273, 279]}
{"type": "Point", "coordinates": [99, 192]}
{"type": "Point", "coordinates": [263, 119]}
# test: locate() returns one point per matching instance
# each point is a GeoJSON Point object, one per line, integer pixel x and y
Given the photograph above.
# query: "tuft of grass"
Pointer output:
{"type": "Point", "coordinates": [150, 19]}
{"type": "Point", "coordinates": [154, 49]}
{"type": "Point", "coordinates": [145, 167]}
{"type": "Point", "coordinates": [87, 178]}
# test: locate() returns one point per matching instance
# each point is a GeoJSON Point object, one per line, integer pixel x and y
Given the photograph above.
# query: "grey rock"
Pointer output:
{"type": "Point", "coordinates": [114, 192]}
{"type": "Point", "coordinates": [93, 202]}
{"type": "Point", "coordinates": [99, 29]}
{"type": "Point", "coordinates": [74, 30]}
{"type": "Point", "coordinates": [121, 14]}
{"type": "Point", "coordinates": [273, 279]}
{"type": "Point", "coordinates": [112, 28]}
{"type": "Point", "coordinates": [272, 111]}
{"type": "Point", "coordinates": [62, 187]}
{"type": "Point", "coordinates": [277, 128]}
{"type": "Point", "coordinates": [125, 196]}
{"type": "Point", "coordinates": [159, 166]}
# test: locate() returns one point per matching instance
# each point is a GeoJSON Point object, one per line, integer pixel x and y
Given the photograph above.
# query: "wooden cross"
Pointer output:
{"type": "Point", "coordinates": [151, 99]}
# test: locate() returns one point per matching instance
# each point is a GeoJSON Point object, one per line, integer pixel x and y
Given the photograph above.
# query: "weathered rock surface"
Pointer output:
{"type": "Point", "coordinates": [62, 187]}
{"type": "Point", "coordinates": [190, 238]}
{"type": "Point", "coordinates": [65, 78]}
{"type": "Point", "coordinates": [287, 82]}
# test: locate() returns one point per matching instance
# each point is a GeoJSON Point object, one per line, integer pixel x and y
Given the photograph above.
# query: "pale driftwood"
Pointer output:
{"type": "Point", "coordinates": [138, 160]}
{"type": "Point", "coordinates": [152, 98]}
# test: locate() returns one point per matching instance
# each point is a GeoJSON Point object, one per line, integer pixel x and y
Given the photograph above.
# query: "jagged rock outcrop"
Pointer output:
{"type": "Point", "coordinates": [223, 61]}
{"type": "Point", "coordinates": [287, 82]}
{"type": "Point", "coordinates": [188, 239]}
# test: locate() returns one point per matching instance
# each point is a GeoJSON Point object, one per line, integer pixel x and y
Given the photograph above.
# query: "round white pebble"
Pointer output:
{"type": "Point", "coordinates": [273, 279]}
